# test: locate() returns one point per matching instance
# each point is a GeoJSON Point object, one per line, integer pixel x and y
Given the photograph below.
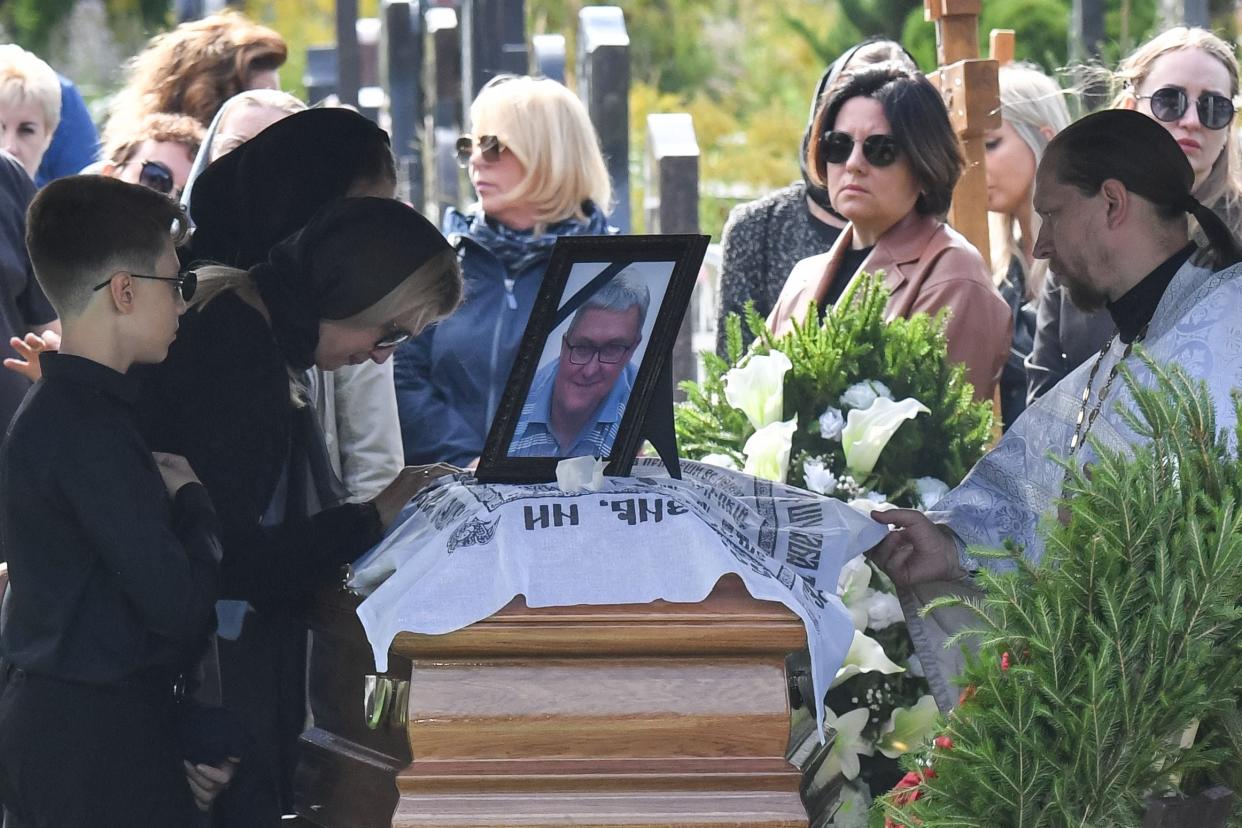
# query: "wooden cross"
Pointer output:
{"type": "Point", "coordinates": [972, 96]}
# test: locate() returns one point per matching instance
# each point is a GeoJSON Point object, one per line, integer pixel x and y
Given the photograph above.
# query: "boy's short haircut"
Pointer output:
{"type": "Point", "coordinates": [83, 228]}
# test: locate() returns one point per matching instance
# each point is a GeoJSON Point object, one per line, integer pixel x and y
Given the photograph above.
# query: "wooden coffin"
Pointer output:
{"type": "Point", "coordinates": [640, 716]}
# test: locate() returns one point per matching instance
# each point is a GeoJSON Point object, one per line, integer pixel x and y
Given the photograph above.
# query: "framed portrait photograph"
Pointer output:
{"type": "Point", "coordinates": [594, 355]}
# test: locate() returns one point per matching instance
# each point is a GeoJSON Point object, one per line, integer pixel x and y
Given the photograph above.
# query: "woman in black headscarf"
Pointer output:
{"type": "Point", "coordinates": [363, 276]}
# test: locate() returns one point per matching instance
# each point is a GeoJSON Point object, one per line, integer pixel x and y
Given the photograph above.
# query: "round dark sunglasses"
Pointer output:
{"type": "Point", "coordinates": [1169, 104]}
{"type": "Point", "coordinates": [156, 176]}
{"type": "Point", "coordinates": [186, 283]}
{"type": "Point", "coordinates": [490, 148]}
{"type": "Point", "coordinates": [879, 150]}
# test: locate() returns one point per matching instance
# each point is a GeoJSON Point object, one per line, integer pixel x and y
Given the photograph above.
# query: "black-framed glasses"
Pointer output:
{"type": "Point", "coordinates": [156, 176]}
{"type": "Point", "coordinates": [609, 354]}
{"type": "Point", "coordinates": [1169, 104]}
{"type": "Point", "coordinates": [879, 150]}
{"type": "Point", "coordinates": [392, 339]}
{"type": "Point", "coordinates": [490, 147]}
{"type": "Point", "coordinates": [186, 283]}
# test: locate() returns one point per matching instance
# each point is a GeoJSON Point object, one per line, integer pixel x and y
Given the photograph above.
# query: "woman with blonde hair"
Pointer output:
{"type": "Point", "coordinates": [196, 67]}
{"type": "Point", "coordinates": [534, 160]}
{"type": "Point", "coordinates": [1033, 110]}
{"type": "Point", "coordinates": [29, 106]}
{"type": "Point", "coordinates": [1186, 79]}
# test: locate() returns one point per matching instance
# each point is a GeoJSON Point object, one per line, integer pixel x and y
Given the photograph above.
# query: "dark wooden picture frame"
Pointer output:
{"type": "Point", "coordinates": [685, 254]}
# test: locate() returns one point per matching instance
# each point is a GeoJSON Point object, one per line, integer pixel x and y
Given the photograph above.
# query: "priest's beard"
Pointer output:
{"type": "Point", "coordinates": [1084, 296]}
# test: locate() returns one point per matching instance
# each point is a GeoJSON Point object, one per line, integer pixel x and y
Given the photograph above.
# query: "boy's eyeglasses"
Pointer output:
{"type": "Point", "coordinates": [609, 354]}
{"type": "Point", "coordinates": [186, 282]}
{"type": "Point", "coordinates": [490, 148]}
{"type": "Point", "coordinates": [156, 176]}
{"type": "Point", "coordinates": [392, 339]}
{"type": "Point", "coordinates": [1170, 103]}
{"type": "Point", "coordinates": [879, 150]}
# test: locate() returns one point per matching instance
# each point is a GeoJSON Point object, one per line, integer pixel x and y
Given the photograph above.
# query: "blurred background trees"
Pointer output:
{"type": "Point", "coordinates": [745, 70]}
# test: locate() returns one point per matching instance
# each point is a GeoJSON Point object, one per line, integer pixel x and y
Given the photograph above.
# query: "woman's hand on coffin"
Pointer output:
{"type": "Point", "coordinates": [411, 481]}
{"type": "Point", "coordinates": [915, 550]}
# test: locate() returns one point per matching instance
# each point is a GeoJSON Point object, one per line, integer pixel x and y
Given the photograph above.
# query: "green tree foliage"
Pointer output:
{"type": "Point", "coordinates": [31, 22]}
{"type": "Point", "coordinates": [1097, 662]}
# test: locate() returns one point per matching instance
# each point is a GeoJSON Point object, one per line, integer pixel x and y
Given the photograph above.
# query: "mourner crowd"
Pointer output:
{"type": "Point", "coordinates": [204, 425]}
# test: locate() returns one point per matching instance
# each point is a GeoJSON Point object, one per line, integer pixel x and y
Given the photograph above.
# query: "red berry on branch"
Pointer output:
{"type": "Point", "coordinates": [1004, 662]}
{"type": "Point", "coordinates": [944, 743]}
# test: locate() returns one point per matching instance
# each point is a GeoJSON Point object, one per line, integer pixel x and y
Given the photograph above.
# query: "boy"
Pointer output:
{"type": "Point", "coordinates": [113, 552]}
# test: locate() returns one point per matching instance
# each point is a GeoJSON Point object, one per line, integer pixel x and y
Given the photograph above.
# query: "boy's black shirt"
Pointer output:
{"type": "Point", "coordinates": [109, 582]}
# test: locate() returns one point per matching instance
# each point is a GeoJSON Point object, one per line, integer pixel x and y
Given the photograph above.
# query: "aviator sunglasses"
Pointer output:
{"type": "Point", "coordinates": [1169, 104]}
{"type": "Point", "coordinates": [490, 148]}
{"type": "Point", "coordinates": [186, 283]}
{"type": "Point", "coordinates": [879, 150]}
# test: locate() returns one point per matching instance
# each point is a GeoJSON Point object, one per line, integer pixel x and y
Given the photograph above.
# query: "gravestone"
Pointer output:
{"type": "Point", "coordinates": [547, 56]}
{"type": "Point", "coordinates": [348, 54]}
{"type": "Point", "coordinates": [443, 108]}
{"type": "Point", "coordinates": [604, 87]}
{"type": "Point", "coordinates": [493, 42]}
{"type": "Point", "coordinates": [671, 205]}
{"type": "Point", "coordinates": [401, 69]}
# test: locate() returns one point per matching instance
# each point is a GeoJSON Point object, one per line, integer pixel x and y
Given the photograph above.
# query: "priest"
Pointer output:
{"type": "Point", "coordinates": [1112, 194]}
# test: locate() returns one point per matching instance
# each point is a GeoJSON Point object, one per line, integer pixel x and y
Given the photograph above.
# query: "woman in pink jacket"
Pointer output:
{"type": "Point", "coordinates": [890, 160]}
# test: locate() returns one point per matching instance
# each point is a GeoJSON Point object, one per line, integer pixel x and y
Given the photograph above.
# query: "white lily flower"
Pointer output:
{"type": "Point", "coordinates": [767, 451]}
{"type": "Point", "coordinates": [830, 423]}
{"type": "Point", "coordinates": [863, 394]}
{"type": "Point", "coordinates": [847, 744]}
{"type": "Point", "coordinates": [908, 727]}
{"type": "Point", "coordinates": [865, 656]}
{"type": "Point", "coordinates": [867, 431]}
{"type": "Point", "coordinates": [930, 490]}
{"type": "Point", "coordinates": [723, 461]}
{"type": "Point", "coordinates": [854, 589]}
{"type": "Point", "coordinates": [883, 610]}
{"type": "Point", "coordinates": [866, 505]}
{"type": "Point", "coordinates": [818, 478]}
{"type": "Point", "coordinates": [758, 387]}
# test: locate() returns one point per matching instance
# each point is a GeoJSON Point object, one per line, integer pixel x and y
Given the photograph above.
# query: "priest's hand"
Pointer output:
{"type": "Point", "coordinates": [28, 349]}
{"type": "Point", "coordinates": [411, 481]}
{"type": "Point", "coordinates": [915, 549]}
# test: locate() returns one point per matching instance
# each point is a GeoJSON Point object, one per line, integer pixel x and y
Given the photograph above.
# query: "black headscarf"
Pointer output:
{"type": "Point", "coordinates": [350, 255]}
{"type": "Point", "coordinates": [270, 186]}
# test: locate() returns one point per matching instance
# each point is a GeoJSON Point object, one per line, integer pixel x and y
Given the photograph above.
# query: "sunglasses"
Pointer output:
{"type": "Point", "coordinates": [186, 283]}
{"type": "Point", "coordinates": [392, 339]}
{"type": "Point", "coordinates": [156, 176]}
{"type": "Point", "coordinates": [879, 150]}
{"type": "Point", "coordinates": [1169, 104]}
{"type": "Point", "coordinates": [489, 147]}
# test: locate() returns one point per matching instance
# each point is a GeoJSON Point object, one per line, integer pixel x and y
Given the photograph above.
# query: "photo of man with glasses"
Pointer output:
{"type": "Point", "coordinates": [576, 401]}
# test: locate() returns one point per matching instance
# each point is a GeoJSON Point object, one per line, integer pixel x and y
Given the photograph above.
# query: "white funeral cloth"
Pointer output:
{"type": "Point", "coordinates": [463, 550]}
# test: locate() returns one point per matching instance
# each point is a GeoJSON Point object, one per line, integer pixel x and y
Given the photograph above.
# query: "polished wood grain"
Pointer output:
{"type": "Point", "coordinates": [659, 714]}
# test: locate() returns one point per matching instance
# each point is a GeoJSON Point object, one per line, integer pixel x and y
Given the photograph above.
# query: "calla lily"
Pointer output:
{"type": "Point", "coordinates": [908, 727]}
{"type": "Point", "coordinates": [867, 431]}
{"type": "Point", "coordinates": [865, 656]}
{"type": "Point", "coordinates": [854, 589]}
{"type": "Point", "coordinates": [758, 387]}
{"type": "Point", "coordinates": [767, 451]}
{"type": "Point", "coordinates": [848, 743]}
